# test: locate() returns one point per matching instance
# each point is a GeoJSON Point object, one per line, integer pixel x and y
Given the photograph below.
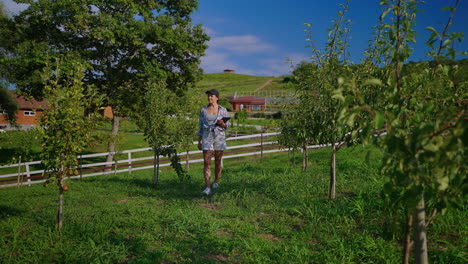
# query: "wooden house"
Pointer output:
{"type": "Point", "coordinates": [28, 115]}
{"type": "Point", "coordinates": [249, 103]}
{"type": "Point", "coordinates": [107, 112]}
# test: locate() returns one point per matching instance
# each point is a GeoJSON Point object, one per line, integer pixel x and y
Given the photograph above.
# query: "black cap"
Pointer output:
{"type": "Point", "coordinates": [213, 91]}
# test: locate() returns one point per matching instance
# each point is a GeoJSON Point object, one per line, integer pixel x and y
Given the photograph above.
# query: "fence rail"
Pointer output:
{"type": "Point", "coordinates": [28, 176]}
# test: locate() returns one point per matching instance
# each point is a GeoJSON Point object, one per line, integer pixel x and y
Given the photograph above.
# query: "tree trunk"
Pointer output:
{"type": "Point", "coordinates": [419, 233]}
{"type": "Point", "coordinates": [304, 157]}
{"type": "Point", "coordinates": [333, 173]}
{"type": "Point", "coordinates": [293, 158]}
{"type": "Point", "coordinates": [407, 242]}
{"type": "Point", "coordinates": [156, 169]}
{"type": "Point", "coordinates": [111, 145]}
{"type": "Point", "coordinates": [60, 210]}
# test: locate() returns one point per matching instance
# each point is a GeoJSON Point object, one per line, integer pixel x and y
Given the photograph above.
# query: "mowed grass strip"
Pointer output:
{"type": "Point", "coordinates": [265, 211]}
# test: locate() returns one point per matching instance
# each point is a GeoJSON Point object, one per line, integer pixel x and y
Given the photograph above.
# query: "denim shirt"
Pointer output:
{"type": "Point", "coordinates": [205, 125]}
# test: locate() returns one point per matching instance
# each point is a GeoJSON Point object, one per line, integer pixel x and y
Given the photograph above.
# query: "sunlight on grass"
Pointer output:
{"type": "Point", "coordinates": [264, 212]}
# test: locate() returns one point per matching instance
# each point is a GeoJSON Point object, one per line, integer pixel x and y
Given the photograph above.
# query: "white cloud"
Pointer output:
{"type": "Point", "coordinates": [209, 31]}
{"type": "Point", "coordinates": [215, 62]}
{"type": "Point", "coordinates": [13, 8]}
{"type": "Point", "coordinates": [282, 64]}
{"type": "Point", "coordinates": [241, 45]}
{"type": "Point", "coordinates": [296, 58]}
{"type": "Point", "coordinates": [277, 65]}
{"type": "Point", "coordinates": [223, 53]}
{"type": "Point", "coordinates": [228, 52]}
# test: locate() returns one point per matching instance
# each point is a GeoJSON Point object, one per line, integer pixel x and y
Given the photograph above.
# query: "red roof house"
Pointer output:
{"type": "Point", "coordinates": [28, 115]}
{"type": "Point", "coordinates": [229, 71]}
{"type": "Point", "coordinates": [249, 103]}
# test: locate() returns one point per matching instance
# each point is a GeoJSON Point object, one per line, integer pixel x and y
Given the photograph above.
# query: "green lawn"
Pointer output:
{"type": "Point", "coordinates": [264, 212]}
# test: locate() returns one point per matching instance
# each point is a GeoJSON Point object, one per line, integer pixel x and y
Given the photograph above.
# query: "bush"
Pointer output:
{"type": "Point", "coordinates": [276, 115]}
{"type": "Point", "coordinates": [224, 102]}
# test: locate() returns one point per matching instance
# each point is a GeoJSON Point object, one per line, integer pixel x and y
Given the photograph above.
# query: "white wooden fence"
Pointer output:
{"type": "Point", "coordinates": [130, 163]}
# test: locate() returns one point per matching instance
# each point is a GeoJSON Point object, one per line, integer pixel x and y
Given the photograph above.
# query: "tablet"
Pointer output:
{"type": "Point", "coordinates": [225, 119]}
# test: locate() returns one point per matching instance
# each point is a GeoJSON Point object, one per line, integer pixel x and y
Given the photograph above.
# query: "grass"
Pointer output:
{"type": "Point", "coordinates": [125, 125]}
{"type": "Point", "coordinates": [265, 212]}
{"type": "Point", "coordinates": [227, 84]}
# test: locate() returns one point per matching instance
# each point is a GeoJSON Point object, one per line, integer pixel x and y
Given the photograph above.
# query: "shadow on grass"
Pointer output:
{"type": "Point", "coordinates": [7, 155]}
{"type": "Point", "coordinates": [166, 190]}
{"type": "Point", "coordinates": [174, 189]}
{"type": "Point", "coordinates": [199, 248]}
{"type": "Point", "coordinates": [7, 211]}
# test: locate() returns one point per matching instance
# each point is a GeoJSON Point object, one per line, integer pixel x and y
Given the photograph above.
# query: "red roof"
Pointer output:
{"type": "Point", "coordinates": [248, 100]}
{"type": "Point", "coordinates": [32, 103]}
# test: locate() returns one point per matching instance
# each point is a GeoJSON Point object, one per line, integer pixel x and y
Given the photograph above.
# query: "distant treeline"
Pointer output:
{"type": "Point", "coordinates": [410, 66]}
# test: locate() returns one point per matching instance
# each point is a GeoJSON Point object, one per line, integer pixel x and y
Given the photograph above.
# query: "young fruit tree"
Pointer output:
{"type": "Point", "coordinates": [316, 83]}
{"type": "Point", "coordinates": [188, 124]}
{"type": "Point", "coordinates": [424, 117]}
{"type": "Point", "coordinates": [64, 125]}
{"type": "Point", "coordinates": [159, 117]}
{"type": "Point", "coordinates": [296, 126]}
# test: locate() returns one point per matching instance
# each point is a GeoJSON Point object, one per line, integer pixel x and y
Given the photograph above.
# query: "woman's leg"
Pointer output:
{"type": "Point", "coordinates": [207, 167]}
{"type": "Point", "coordinates": [218, 164]}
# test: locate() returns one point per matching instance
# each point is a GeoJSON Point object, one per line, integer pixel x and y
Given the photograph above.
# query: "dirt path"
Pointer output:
{"type": "Point", "coordinates": [263, 85]}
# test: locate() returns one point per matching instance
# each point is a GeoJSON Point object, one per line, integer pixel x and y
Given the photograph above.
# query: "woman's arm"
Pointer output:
{"type": "Point", "coordinates": [224, 113]}
{"type": "Point", "coordinates": [200, 129]}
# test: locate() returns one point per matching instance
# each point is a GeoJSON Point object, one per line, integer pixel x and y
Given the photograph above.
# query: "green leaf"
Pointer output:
{"type": "Point", "coordinates": [338, 96]}
{"type": "Point", "coordinates": [432, 29]}
{"type": "Point", "coordinates": [340, 80]}
{"type": "Point", "coordinates": [446, 42]}
{"type": "Point", "coordinates": [373, 82]}
{"type": "Point", "coordinates": [443, 183]}
{"type": "Point", "coordinates": [378, 120]}
{"type": "Point", "coordinates": [350, 121]}
{"type": "Point", "coordinates": [448, 8]}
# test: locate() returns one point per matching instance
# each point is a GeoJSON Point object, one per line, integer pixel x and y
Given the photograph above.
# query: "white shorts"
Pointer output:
{"type": "Point", "coordinates": [210, 141]}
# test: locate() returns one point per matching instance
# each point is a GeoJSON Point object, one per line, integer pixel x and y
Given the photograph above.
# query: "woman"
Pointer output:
{"type": "Point", "coordinates": [211, 137]}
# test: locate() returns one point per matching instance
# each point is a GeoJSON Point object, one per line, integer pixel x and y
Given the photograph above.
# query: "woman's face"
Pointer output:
{"type": "Point", "coordinates": [212, 99]}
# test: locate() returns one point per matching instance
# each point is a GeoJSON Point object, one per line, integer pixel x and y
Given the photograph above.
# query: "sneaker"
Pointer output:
{"type": "Point", "coordinates": [207, 191]}
{"type": "Point", "coordinates": [215, 185]}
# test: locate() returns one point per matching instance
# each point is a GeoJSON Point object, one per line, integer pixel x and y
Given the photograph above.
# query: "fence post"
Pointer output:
{"type": "Point", "coordinates": [261, 145]}
{"type": "Point", "coordinates": [129, 163]}
{"type": "Point", "coordinates": [81, 166]}
{"type": "Point", "coordinates": [20, 180]}
{"type": "Point", "coordinates": [28, 175]}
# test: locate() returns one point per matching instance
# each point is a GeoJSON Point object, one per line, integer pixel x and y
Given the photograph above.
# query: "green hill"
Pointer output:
{"type": "Point", "coordinates": [229, 83]}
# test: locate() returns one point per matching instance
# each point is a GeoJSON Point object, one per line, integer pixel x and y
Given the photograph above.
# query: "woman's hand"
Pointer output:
{"type": "Point", "coordinates": [221, 123]}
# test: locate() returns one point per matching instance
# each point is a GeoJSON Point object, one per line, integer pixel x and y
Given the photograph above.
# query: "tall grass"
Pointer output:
{"type": "Point", "coordinates": [264, 212]}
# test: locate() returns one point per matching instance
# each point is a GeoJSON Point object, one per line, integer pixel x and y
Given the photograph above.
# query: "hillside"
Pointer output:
{"type": "Point", "coordinates": [228, 83]}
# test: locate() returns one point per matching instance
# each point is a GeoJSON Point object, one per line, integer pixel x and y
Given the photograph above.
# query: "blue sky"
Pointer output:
{"type": "Point", "coordinates": [255, 37]}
